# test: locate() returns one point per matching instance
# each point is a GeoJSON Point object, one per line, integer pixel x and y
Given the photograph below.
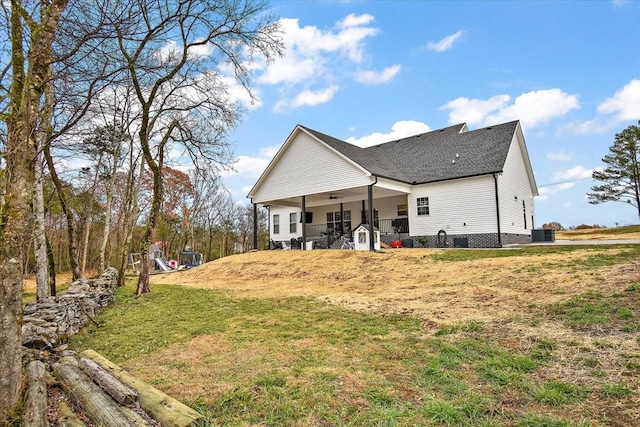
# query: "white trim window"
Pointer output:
{"type": "Point", "coordinates": [422, 205]}
{"type": "Point", "coordinates": [276, 223]}
{"type": "Point", "coordinates": [293, 222]}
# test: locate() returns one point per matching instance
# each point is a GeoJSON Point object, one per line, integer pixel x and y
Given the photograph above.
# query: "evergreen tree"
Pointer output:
{"type": "Point", "coordinates": [621, 176]}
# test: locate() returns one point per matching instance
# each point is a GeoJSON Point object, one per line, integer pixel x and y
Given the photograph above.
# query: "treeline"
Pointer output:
{"type": "Point", "coordinates": [197, 214]}
{"type": "Point", "coordinates": [100, 101]}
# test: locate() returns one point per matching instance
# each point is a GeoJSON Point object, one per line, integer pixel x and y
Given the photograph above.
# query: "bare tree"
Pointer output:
{"type": "Point", "coordinates": [173, 53]}
{"type": "Point", "coordinates": [31, 33]}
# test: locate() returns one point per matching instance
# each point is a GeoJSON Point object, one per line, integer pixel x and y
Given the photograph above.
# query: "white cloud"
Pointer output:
{"type": "Point", "coordinates": [473, 111]}
{"type": "Point", "coordinates": [625, 103]}
{"type": "Point", "coordinates": [531, 108]}
{"type": "Point", "coordinates": [374, 78]}
{"type": "Point", "coordinates": [399, 130]}
{"type": "Point", "coordinates": [172, 51]}
{"type": "Point", "coordinates": [238, 93]}
{"type": "Point", "coordinates": [545, 192]}
{"type": "Point", "coordinates": [308, 98]}
{"type": "Point", "coordinates": [353, 20]}
{"type": "Point", "coordinates": [446, 43]}
{"type": "Point", "coordinates": [566, 205]}
{"type": "Point", "coordinates": [588, 126]}
{"type": "Point", "coordinates": [320, 57]}
{"type": "Point", "coordinates": [559, 156]}
{"type": "Point", "coordinates": [619, 3]}
{"type": "Point", "coordinates": [252, 167]}
{"type": "Point", "coordinates": [575, 173]}
{"type": "Point", "coordinates": [307, 48]}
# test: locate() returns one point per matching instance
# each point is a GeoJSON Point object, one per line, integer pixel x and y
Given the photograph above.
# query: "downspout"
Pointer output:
{"type": "Point", "coordinates": [371, 221]}
{"type": "Point", "coordinates": [255, 225]}
{"type": "Point", "coordinates": [495, 181]}
{"type": "Point", "coordinates": [304, 222]}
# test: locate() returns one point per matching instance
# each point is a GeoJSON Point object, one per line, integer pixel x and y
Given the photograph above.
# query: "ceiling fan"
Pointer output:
{"type": "Point", "coordinates": [333, 196]}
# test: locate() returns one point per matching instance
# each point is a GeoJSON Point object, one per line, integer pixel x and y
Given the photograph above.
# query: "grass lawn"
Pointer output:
{"type": "Point", "coordinates": [544, 336]}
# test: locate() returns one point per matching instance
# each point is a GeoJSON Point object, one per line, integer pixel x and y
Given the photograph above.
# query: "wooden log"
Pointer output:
{"type": "Point", "coordinates": [68, 418]}
{"type": "Point", "coordinates": [35, 413]}
{"type": "Point", "coordinates": [136, 419]}
{"type": "Point", "coordinates": [122, 393]}
{"type": "Point", "coordinates": [161, 407]}
{"type": "Point", "coordinates": [100, 408]}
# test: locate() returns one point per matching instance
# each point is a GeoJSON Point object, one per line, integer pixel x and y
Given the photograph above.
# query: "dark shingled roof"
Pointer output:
{"type": "Point", "coordinates": [429, 157]}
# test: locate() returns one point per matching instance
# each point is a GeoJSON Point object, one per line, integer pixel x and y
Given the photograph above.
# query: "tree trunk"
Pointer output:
{"type": "Point", "coordinates": [152, 222]}
{"type": "Point", "coordinates": [130, 217]}
{"type": "Point", "coordinates": [107, 225]}
{"type": "Point", "coordinates": [51, 269]}
{"type": "Point", "coordinates": [66, 209]}
{"type": "Point", "coordinates": [86, 232]}
{"type": "Point", "coordinates": [10, 336]}
{"type": "Point", "coordinates": [40, 238]}
{"type": "Point", "coordinates": [35, 400]}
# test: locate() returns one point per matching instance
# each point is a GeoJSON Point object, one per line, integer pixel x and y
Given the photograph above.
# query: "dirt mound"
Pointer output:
{"type": "Point", "coordinates": [407, 280]}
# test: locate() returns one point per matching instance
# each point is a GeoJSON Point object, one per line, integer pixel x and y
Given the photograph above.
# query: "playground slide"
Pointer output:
{"type": "Point", "coordinates": [163, 266]}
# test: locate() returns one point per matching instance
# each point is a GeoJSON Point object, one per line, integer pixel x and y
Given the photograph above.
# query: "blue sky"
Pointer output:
{"type": "Point", "coordinates": [373, 71]}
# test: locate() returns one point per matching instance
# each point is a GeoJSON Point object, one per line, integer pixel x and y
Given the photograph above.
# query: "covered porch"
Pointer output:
{"type": "Point", "coordinates": [328, 218]}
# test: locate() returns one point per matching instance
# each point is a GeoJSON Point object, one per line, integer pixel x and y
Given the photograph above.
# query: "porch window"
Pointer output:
{"type": "Point", "coordinates": [293, 218]}
{"type": "Point", "coordinates": [403, 210]}
{"type": "Point", "coordinates": [422, 204]}
{"type": "Point", "coordinates": [365, 217]}
{"type": "Point", "coordinates": [276, 223]}
{"type": "Point", "coordinates": [333, 221]}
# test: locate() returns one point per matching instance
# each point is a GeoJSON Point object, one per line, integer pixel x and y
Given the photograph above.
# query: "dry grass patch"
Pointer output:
{"type": "Point", "coordinates": [617, 233]}
{"type": "Point", "coordinates": [409, 280]}
{"type": "Point", "coordinates": [536, 337]}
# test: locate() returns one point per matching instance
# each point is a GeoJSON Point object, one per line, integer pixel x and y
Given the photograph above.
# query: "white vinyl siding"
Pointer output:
{"type": "Point", "coordinates": [461, 206]}
{"type": "Point", "coordinates": [307, 166]}
{"type": "Point", "coordinates": [514, 188]}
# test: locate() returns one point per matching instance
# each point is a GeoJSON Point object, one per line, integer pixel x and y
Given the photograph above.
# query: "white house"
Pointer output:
{"type": "Point", "coordinates": [447, 187]}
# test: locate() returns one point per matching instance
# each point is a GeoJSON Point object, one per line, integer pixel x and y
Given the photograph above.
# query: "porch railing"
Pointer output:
{"type": "Point", "coordinates": [386, 226]}
{"type": "Point", "coordinates": [392, 225]}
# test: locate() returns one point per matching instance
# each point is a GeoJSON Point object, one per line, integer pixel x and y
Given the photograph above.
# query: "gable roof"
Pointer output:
{"type": "Point", "coordinates": [438, 155]}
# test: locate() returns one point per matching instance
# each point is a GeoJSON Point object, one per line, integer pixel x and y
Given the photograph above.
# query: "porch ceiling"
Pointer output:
{"type": "Point", "coordinates": [333, 197]}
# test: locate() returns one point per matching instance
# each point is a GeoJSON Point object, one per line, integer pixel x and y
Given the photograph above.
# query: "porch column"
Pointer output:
{"type": "Point", "coordinates": [371, 235]}
{"type": "Point", "coordinates": [341, 219]}
{"type": "Point", "coordinates": [255, 226]}
{"type": "Point", "coordinates": [495, 181]}
{"type": "Point", "coordinates": [304, 222]}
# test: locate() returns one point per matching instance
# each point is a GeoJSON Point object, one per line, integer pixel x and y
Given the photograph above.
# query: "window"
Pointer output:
{"type": "Point", "coordinates": [333, 221]}
{"type": "Point", "coordinates": [422, 204]}
{"type": "Point", "coordinates": [293, 218]}
{"type": "Point", "coordinates": [403, 210]}
{"type": "Point", "coordinates": [524, 213]}
{"type": "Point", "coordinates": [276, 223]}
{"type": "Point", "coordinates": [365, 217]}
